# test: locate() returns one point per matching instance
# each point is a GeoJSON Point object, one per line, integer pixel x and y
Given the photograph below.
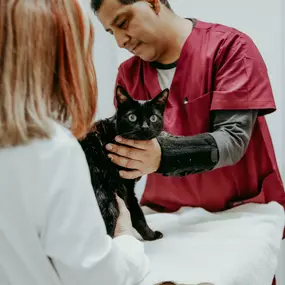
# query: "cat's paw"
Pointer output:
{"type": "Point", "coordinates": [155, 235]}
{"type": "Point", "coordinates": [158, 235]}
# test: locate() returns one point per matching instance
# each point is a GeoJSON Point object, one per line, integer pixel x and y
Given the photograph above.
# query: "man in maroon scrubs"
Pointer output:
{"type": "Point", "coordinates": [219, 95]}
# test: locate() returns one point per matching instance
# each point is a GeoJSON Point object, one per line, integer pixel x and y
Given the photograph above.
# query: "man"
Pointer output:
{"type": "Point", "coordinates": [219, 95]}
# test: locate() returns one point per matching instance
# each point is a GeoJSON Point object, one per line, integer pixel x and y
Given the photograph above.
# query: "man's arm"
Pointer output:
{"type": "Point", "coordinates": [232, 132]}
{"type": "Point", "coordinates": [225, 146]}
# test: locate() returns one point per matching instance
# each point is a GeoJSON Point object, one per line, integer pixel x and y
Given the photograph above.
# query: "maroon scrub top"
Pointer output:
{"type": "Point", "coordinates": [220, 68]}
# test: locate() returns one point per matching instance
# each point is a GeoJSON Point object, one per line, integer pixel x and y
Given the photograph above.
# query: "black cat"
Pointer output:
{"type": "Point", "coordinates": [140, 120]}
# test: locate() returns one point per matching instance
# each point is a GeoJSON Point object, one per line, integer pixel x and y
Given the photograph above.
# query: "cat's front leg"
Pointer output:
{"type": "Point", "coordinates": [109, 211]}
{"type": "Point", "coordinates": [110, 217]}
{"type": "Point", "coordinates": [139, 221]}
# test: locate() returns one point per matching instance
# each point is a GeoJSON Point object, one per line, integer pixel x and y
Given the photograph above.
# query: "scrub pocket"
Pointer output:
{"type": "Point", "coordinates": [198, 113]}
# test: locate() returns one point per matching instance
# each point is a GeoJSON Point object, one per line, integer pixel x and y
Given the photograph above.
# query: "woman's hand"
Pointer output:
{"type": "Point", "coordinates": [124, 223]}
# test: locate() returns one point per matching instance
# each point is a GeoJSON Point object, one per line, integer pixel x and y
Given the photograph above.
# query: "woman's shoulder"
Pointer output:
{"type": "Point", "coordinates": [59, 145]}
{"type": "Point", "coordinates": [61, 142]}
{"type": "Point", "coordinates": [60, 137]}
{"type": "Point", "coordinates": [61, 134]}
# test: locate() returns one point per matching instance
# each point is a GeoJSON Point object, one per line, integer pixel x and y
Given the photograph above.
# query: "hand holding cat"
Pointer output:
{"type": "Point", "coordinates": [124, 223]}
{"type": "Point", "coordinates": [143, 157]}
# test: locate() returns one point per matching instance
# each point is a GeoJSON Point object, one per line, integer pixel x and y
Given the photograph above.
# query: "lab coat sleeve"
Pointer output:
{"type": "Point", "coordinates": [74, 236]}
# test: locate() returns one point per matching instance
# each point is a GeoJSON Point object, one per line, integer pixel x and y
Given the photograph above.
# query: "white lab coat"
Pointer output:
{"type": "Point", "coordinates": [48, 209]}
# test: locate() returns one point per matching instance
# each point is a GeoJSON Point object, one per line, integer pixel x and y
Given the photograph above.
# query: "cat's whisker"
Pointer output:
{"type": "Point", "coordinates": [130, 132]}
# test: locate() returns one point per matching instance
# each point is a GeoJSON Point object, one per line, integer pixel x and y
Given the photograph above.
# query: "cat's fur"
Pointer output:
{"type": "Point", "coordinates": [139, 120]}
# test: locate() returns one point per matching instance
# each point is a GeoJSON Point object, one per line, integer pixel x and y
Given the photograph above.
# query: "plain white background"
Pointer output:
{"type": "Point", "coordinates": [263, 20]}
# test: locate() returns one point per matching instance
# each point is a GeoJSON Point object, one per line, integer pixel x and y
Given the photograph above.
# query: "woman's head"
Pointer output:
{"type": "Point", "coordinates": [46, 69]}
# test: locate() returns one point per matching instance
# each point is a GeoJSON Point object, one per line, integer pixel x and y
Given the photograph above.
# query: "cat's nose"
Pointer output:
{"type": "Point", "coordinates": [145, 125]}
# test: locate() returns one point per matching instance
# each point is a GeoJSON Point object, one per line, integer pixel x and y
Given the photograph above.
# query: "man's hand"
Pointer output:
{"type": "Point", "coordinates": [141, 156]}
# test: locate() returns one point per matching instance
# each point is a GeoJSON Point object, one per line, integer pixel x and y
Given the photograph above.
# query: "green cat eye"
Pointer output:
{"type": "Point", "coordinates": [132, 117]}
{"type": "Point", "coordinates": [153, 118]}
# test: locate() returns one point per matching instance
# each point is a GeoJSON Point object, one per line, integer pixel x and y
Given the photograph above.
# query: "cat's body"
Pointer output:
{"type": "Point", "coordinates": [129, 122]}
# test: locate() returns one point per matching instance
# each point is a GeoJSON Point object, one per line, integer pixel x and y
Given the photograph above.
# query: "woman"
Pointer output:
{"type": "Point", "coordinates": [51, 230]}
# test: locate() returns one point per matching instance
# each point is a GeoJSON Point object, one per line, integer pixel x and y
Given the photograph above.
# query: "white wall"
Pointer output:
{"type": "Point", "coordinates": [281, 124]}
{"type": "Point", "coordinates": [105, 58]}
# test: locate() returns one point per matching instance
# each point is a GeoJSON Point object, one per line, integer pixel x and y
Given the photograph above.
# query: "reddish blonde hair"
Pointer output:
{"type": "Point", "coordinates": [46, 69]}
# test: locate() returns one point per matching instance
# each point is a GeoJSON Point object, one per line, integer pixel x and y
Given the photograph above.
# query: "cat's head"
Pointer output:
{"type": "Point", "coordinates": [140, 120]}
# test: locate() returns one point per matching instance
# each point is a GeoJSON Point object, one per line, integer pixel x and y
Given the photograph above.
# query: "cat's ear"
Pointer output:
{"type": "Point", "coordinates": [161, 98]}
{"type": "Point", "coordinates": [122, 95]}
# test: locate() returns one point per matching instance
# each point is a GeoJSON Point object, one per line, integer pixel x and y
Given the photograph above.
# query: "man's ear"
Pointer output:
{"type": "Point", "coordinates": [156, 5]}
{"type": "Point", "coordinates": [122, 95]}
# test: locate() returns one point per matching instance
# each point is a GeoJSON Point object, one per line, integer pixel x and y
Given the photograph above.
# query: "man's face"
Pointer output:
{"type": "Point", "coordinates": [135, 27]}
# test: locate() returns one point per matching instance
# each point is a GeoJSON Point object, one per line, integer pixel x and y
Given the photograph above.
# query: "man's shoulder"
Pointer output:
{"type": "Point", "coordinates": [220, 31]}
{"type": "Point", "coordinates": [220, 37]}
{"type": "Point", "coordinates": [215, 27]}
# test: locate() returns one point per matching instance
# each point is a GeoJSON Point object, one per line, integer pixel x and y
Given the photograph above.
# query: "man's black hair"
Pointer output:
{"type": "Point", "coordinates": [96, 4]}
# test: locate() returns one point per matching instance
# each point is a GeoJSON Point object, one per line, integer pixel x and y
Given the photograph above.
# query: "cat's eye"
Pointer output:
{"type": "Point", "coordinates": [153, 118]}
{"type": "Point", "coordinates": [132, 117]}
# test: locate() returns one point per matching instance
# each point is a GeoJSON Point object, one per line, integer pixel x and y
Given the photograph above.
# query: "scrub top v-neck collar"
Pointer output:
{"type": "Point", "coordinates": [150, 69]}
